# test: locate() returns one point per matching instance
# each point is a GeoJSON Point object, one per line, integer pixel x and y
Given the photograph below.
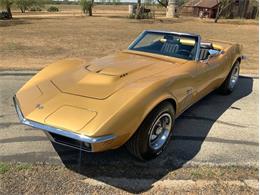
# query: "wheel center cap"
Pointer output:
{"type": "Point", "coordinates": [158, 130]}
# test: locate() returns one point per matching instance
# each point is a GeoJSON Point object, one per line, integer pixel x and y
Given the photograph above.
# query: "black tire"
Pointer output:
{"type": "Point", "coordinates": [227, 88]}
{"type": "Point", "coordinates": [139, 143]}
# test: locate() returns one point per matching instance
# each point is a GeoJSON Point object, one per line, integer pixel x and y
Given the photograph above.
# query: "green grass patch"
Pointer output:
{"type": "Point", "coordinates": [4, 167]}
{"type": "Point", "coordinates": [23, 166]}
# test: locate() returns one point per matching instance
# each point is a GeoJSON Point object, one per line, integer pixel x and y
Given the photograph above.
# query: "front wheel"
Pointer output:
{"type": "Point", "coordinates": [152, 137]}
{"type": "Point", "coordinates": [229, 84]}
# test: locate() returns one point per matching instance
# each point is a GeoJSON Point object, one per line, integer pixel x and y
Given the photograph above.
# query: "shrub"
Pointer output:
{"type": "Point", "coordinates": [86, 6]}
{"type": "Point", "coordinates": [53, 9]}
{"type": "Point", "coordinates": [4, 15]}
{"type": "Point", "coordinates": [34, 9]}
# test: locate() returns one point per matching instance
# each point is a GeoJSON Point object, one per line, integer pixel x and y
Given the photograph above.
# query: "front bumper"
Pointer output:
{"type": "Point", "coordinates": [61, 136]}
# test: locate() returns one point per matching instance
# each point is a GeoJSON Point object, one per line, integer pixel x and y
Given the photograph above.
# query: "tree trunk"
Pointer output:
{"type": "Point", "coordinates": [240, 8]}
{"type": "Point", "coordinates": [138, 10]}
{"type": "Point", "coordinates": [8, 9]}
{"type": "Point", "coordinates": [90, 11]}
{"type": "Point", "coordinates": [22, 10]}
{"type": "Point", "coordinates": [217, 15]}
{"type": "Point", "coordinates": [221, 8]}
{"type": "Point", "coordinates": [245, 10]}
{"type": "Point", "coordinates": [163, 4]}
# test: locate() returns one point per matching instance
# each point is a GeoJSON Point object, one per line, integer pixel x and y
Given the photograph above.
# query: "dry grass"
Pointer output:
{"type": "Point", "coordinates": [53, 179]}
{"type": "Point", "coordinates": [32, 41]}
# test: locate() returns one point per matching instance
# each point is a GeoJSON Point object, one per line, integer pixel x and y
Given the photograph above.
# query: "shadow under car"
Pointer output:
{"type": "Point", "coordinates": [191, 129]}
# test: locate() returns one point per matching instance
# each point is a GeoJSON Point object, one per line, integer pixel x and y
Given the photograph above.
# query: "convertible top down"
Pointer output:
{"type": "Point", "coordinates": [131, 97]}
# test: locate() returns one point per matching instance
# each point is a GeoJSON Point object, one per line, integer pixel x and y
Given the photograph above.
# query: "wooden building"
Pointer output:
{"type": "Point", "coordinates": [195, 7]}
{"type": "Point", "coordinates": [237, 9]}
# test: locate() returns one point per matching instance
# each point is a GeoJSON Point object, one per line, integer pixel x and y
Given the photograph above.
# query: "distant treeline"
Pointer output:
{"type": "Point", "coordinates": [103, 2]}
{"type": "Point", "coordinates": [163, 3]}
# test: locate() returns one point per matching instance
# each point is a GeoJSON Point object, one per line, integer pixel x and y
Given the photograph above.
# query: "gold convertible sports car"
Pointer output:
{"type": "Point", "coordinates": [129, 98]}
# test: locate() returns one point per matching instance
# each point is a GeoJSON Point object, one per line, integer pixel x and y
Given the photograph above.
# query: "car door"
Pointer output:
{"type": "Point", "coordinates": [209, 74]}
{"type": "Point", "coordinates": [183, 86]}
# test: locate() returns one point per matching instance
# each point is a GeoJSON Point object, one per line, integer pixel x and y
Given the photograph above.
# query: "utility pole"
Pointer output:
{"type": "Point", "coordinates": [171, 12]}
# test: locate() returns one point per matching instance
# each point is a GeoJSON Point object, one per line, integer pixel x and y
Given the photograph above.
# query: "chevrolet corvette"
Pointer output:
{"type": "Point", "coordinates": [129, 98]}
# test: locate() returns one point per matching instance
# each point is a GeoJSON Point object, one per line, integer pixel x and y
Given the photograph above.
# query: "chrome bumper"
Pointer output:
{"type": "Point", "coordinates": [60, 132]}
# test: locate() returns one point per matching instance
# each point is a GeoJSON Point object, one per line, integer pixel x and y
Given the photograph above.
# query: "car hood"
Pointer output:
{"type": "Point", "coordinates": [102, 77]}
{"type": "Point", "coordinates": [65, 91]}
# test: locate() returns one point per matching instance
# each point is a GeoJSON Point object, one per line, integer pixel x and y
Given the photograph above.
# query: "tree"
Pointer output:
{"type": "Point", "coordinates": [86, 6]}
{"type": "Point", "coordinates": [23, 4]}
{"type": "Point", "coordinates": [148, 2]}
{"type": "Point", "coordinates": [138, 10]}
{"type": "Point", "coordinates": [223, 5]}
{"type": "Point", "coordinates": [103, 2]}
{"type": "Point", "coordinates": [165, 3]}
{"type": "Point", "coordinates": [7, 5]}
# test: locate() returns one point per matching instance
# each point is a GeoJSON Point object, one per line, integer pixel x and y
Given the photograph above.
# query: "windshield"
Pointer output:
{"type": "Point", "coordinates": [168, 44]}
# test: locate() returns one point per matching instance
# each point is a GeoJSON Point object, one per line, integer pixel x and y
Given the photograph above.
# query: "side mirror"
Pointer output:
{"type": "Point", "coordinates": [213, 52]}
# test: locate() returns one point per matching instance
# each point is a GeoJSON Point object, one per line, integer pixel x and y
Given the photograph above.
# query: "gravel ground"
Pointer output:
{"type": "Point", "coordinates": [50, 179]}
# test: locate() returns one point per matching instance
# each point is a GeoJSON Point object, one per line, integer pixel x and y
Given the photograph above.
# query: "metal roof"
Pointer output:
{"type": "Point", "coordinates": [202, 3]}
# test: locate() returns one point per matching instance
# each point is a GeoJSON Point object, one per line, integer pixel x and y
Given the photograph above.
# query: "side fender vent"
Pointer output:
{"type": "Point", "coordinates": [123, 75]}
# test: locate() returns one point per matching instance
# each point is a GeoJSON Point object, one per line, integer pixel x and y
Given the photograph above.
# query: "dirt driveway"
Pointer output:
{"type": "Point", "coordinates": [32, 42]}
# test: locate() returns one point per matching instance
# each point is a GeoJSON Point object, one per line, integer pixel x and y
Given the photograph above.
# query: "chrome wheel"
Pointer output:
{"type": "Point", "coordinates": [234, 77]}
{"type": "Point", "coordinates": [160, 131]}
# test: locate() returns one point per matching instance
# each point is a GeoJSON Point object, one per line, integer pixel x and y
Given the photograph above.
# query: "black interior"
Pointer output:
{"type": "Point", "coordinates": [171, 47]}
{"type": "Point", "coordinates": [174, 48]}
{"type": "Point", "coordinates": [204, 50]}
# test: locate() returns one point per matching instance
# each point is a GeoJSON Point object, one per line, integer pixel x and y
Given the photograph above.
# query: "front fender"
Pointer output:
{"type": "Point", "coordinates": [237, 54]}
{"type": "Point", "coordinates": [124, 123]}
{"type": "Point", "coordinates": [53, 70]}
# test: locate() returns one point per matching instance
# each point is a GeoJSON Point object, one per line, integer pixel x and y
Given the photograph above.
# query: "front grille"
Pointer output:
{"type": "Point", "coordinates": [70, 142]}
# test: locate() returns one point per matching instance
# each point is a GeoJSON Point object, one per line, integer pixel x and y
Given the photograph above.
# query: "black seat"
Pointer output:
{"type": "Point", "coordinates": [204, 53]}
{"type": "Point", "coordinates": [169, 48]}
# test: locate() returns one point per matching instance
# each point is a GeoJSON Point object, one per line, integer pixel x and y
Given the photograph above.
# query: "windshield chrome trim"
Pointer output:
{"type": "Point", "coordinates": [58, 131]}
{"type": "Point", "coordinates": [197, 55]}
{"type": "Point", "coordinates": [173, 32]}
{"type": "Point", "coordinates": [136, 40]}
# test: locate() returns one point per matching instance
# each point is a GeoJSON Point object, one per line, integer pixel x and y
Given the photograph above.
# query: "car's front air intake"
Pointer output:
{"type": "Point", "coordinates": [71, 142]}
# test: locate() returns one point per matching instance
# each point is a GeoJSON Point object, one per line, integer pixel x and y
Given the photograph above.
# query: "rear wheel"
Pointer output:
{"type": "Point", "coordinates": [152, 137]}
{"type": "Point", "coordinates": [229, 85]}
